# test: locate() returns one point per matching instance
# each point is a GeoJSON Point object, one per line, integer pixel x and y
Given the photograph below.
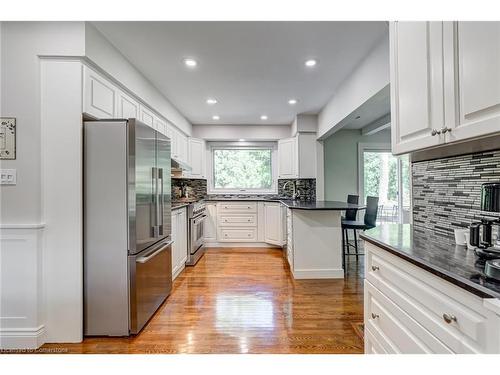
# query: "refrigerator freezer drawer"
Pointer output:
{"type": "Point", "coordinates": [150, 283]}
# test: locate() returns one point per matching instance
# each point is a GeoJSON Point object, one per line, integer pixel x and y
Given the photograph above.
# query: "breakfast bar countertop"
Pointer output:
{"type": "Point", "coordinates": [436, 254]}
{"type": "Point", "coordinates": [293, 204]}
{"type": "Point", "coordinates": [321, 205]}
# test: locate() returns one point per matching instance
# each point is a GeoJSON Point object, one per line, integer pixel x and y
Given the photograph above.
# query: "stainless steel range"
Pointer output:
{"type": "Point", "coordinates": [196, 232]}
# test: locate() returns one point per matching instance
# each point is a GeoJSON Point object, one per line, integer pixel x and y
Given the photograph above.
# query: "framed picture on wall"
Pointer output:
{"type": "Point", "coordinates": [7, 138]}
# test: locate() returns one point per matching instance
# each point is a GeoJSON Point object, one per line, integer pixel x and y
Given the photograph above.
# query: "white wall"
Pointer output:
{"type": "Point", "coordinates": [235, 132]}
{"type": "Point", "coordinates": [341, 161]}
{"type": "Point", "coordinates": [368, 78]}
{"type": "Point", "coordinates": [107, 57]}
{"type": "Point", "coordinates": [50, 254]}
{"type": "Point", "coordinates": [22, 42]}
{"type": "Point", "coordinates": [41, 216]}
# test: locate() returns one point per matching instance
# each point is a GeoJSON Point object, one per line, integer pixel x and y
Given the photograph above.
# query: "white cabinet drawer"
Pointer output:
{"type": "Point", "coordinates": [233, 220]}
{"type": "Point", "coordinates": [238, 235]}
{"type": "Point", "coordinates": [236, 207]}
{"type": "Point", "coordinates": [401, 333]}
{"type": "Point", "coordinates": [373, 344]}
{"type": "Point", "coordinates": [427, 298]}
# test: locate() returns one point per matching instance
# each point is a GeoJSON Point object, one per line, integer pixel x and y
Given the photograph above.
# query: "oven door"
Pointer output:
{"type": "Point", "coordinates": [197, 232]}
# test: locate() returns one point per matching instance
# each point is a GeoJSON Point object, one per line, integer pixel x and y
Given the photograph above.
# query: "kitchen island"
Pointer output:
{"type": "Point", "coordinates": [314, 238]}
{"type": "Point", "coordinates": [309, 231]}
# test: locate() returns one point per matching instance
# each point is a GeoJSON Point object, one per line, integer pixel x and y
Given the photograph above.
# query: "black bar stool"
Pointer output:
{"type": "Point", "coordinates": [350, 215]}
{"type": "Point", "coordinates": [370, 221]}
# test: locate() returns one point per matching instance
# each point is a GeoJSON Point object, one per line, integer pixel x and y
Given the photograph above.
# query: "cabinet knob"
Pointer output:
{"type": "Point", "coordinates": [444, 130]}
{"type": "Point", "coordinates": [375, 316]}
{"type": "Point", "coordinates": [448, 318]}
{"type": "Point", "coordinates": [375, 268]}
{"type": "Point", "coordinates": [435, 132]}
{"type": "Point", "coordinates": [248, 220]}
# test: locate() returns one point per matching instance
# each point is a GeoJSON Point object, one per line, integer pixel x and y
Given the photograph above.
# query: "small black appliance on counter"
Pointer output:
{"type": "Point", "coordinates": [481, 233]}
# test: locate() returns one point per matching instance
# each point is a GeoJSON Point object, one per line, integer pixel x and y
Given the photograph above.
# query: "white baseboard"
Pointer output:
{"type": "Point", "coordinates": [22, 338]}
{"type": "Point", "coordinates": [318, 274]}
{"type": "Point", "coordinates": [240, 244]}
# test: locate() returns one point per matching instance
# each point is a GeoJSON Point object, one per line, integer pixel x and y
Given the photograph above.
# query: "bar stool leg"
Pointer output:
{"type": "Point", "coordinates": [355, 244]}
{"type": "Point", "coordinates": [347, 242]}
{"type": "Point", "coordinates": [343, 248]}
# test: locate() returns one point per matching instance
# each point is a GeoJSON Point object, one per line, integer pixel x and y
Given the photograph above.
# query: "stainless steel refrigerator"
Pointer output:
{"type": "Point", "coordinates": [127, 226]}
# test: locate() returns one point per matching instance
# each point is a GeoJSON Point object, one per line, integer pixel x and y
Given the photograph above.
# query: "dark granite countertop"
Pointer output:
{"type": "Point", "coordinates": [321, 205]}
{"type": "Point", "coordinates": [177, 205]}
{"type": "Point", "coordinates": [245, 199]}
{"type": "Point", "coordinates": [297, 204]}
{"type": "Point", "coordinates": [437, 254]}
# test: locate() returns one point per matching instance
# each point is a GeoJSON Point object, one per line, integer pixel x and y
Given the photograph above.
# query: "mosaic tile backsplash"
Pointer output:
{"type": "Point", "coordinates": [305, 186]}
{"type": "Point", "coordinates": [195, 188]}
{"type": "Point", "coordinates": [447, 192]}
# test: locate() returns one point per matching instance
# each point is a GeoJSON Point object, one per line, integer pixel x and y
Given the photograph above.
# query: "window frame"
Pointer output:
{"type": "Point", "coordinates": [243, 146]}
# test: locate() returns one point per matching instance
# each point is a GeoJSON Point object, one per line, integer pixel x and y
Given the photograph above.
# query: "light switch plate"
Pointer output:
{"type": "Point", "coordinates": [8, 176]}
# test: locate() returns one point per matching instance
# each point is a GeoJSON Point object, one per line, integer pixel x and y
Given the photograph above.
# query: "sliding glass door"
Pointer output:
{"type": "Point", "coordinates": [386, 176]}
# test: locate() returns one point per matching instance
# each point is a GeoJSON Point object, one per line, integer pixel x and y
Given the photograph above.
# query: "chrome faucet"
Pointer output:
{"type": "Point", "coordinates": [296, 192]}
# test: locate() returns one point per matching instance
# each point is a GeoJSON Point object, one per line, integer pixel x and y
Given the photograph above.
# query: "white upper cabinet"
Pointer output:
{"type": "Point", "coordinates": [416, 60]}
{"type": "Point", "coordinates": [160, 125]}
{"type": "Point", "coordinates": [297, 156]}
{"type": "Point", "coordinates": [476, 60]}
{"type": "Point", "coordinates": [146, 116]}
{"type": "Point", "coordinates": [445, 80]}
{"type": "Point", "coordinates": [127, 107]}
{"type": "Point", "coordinates": [100, 95]}
{"type": "Point", "coordinates": [104, 100]}
{"type": "Point", "coordinates": [287, 158]}
{"type": "Point", "coordinates": [196, 158]}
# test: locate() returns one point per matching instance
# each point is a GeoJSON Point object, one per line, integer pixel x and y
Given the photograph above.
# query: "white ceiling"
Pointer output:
{"type": "Point", "coordinates": [252, 68]}
{"type": "Point", "coordinates": [379, 105]}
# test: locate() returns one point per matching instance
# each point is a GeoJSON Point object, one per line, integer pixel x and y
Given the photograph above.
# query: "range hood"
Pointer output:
{"type": "Point", "coordinates": [180, 165]}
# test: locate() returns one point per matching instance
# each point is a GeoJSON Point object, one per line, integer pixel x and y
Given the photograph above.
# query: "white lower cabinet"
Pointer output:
{"type": "Point", "coordinates": [179, 236]}
{"type": "Point", "coordinates": [245, 222]}
{"type": "Point", "coordinates": [289, 237]}
{"type": "Point", "coordinates": [211, 222]}
{"type": "Point", "coordinates": [273, 223]}
{"type": "Point", "coordinates": [410, 310]}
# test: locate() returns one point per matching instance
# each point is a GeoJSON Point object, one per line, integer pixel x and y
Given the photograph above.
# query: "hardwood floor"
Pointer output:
{"type": "Point", "coordinates": [245, 301]}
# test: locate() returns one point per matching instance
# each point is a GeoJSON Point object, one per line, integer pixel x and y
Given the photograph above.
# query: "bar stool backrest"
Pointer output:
{"type": "Point", "coordinates": [351, 214]}
{"type": "Point", "coordinates": [371, 211]}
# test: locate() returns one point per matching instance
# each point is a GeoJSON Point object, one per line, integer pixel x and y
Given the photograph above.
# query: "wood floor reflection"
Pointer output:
{"type": "Point", "coordinates": [245, 301]}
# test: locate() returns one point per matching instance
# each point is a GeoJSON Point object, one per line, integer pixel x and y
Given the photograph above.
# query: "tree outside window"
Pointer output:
{"type": "Point", "coordinates": [242, 168]}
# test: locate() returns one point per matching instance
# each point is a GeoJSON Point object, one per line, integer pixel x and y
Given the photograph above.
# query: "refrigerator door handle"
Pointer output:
{"type": "Point", "coordinates": [161, 202]}
{"type": "Point", "coordinates": [150, 256]}
{"type": "Point", "coordinates": [154, 212]}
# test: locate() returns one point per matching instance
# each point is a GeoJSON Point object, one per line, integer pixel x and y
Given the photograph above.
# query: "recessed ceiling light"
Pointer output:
{"type": "Point", "coordinates": [215, 117]}
{"type": "Point", "coordinates": [211, 101]}
{"type": "Point", "coordinates": [190, 63]}
{"type": "Point", "coordinates": [311, 62]}
{"type": "Point", "coordinates": [242, 140]}
{"type": "Point", "coordinates": [263, 117]}
{"type": "Point", "coordinates": [292, 101]}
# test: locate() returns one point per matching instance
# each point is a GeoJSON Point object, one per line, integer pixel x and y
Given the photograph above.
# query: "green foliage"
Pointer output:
{"type": "Point", "coordinates": [242, 169]}
{"type": "Point", "coordinates": [372, 174]}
